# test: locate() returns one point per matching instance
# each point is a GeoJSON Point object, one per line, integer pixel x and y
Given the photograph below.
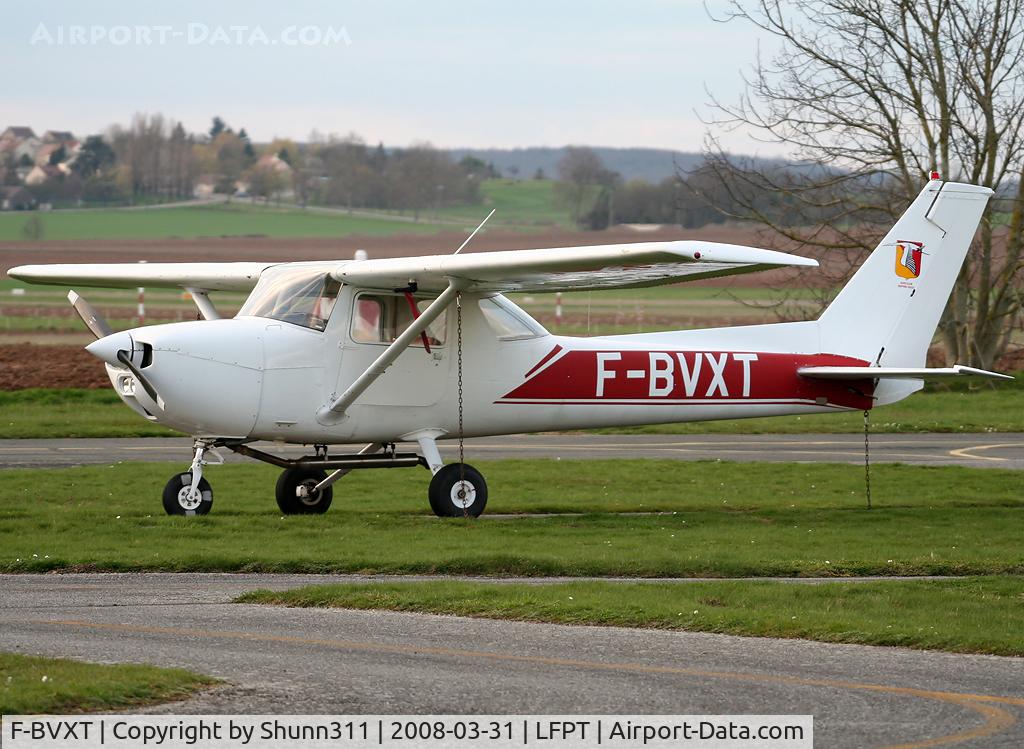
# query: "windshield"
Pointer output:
{"type": "Point", "coordinates": [294, 295]}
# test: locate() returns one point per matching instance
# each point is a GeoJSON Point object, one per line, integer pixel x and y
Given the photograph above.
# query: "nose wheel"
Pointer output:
{"type": "Point", "coordinates": [457, 490]}
{"type": "Point", "coordinates": [181, 498]}
{"type": "Point", "coordinates": [188, 493]}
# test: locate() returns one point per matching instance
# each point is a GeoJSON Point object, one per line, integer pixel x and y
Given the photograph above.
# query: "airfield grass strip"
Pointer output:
{"type": "Point", "coordinates": [42, 413]}
{"type": "Point", "coordinates": [31, 685]}
{"type": "Point", "coordinates": [973, 615]}
{"type": "Point", "coordinates": [576, 518]}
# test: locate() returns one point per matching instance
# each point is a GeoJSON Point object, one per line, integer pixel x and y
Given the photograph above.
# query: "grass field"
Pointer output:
{"type": "Point", "coordinates": [234, 219]}
{"type": "Point", "coordinates": [31, 685]}
{"type": "Point", "coordinates": [718, 519]}
{"type": "Point", "coordinates": [973, 615]}
{"type": "Point", "coordinates": [520, 205]}
{"type": "Point", "coordinates": [71, 413]}
{"type": "Point", "coordinates": [516, 203]}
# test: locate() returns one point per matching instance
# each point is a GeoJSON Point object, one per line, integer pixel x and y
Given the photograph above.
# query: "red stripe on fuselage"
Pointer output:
{"type": "Point", "coordinates": [699, 376]}
{"type": "Point", "coordinates": [543, 361]}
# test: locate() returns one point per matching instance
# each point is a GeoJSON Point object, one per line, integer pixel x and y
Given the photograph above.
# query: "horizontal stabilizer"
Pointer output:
{"type": "Point", "coordinates": [896, 373]}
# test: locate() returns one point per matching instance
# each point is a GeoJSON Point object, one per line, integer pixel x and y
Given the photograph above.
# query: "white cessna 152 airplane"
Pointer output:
{"type": "Point", "coordinates": [374, 351]}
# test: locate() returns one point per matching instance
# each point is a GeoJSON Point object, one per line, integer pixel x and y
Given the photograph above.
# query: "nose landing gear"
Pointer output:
{"type": "Point", "coordinates": [189, 493]}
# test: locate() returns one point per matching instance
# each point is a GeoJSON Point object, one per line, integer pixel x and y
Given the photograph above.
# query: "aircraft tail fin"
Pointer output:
{"type": "Point", "coordinates": [887, 313]}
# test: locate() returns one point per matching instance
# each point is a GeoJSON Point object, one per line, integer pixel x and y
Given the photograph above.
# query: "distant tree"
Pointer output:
{"type": "Point", "coordinates": [180, 163]}
{"type": "Point", "coordinates": [581, 180]}
{"type": "Point", "coordinates": [285, 156]}
{"type": "Point", "coordinates": [9, 171]}
{"type": "Point", "coordinates": [58, 155]}
{"type": "Point", "coordinates": [476, 167]}
{"type": "Point", "coordinates": [265, 182]}
{"type": "Point", "coordinates": [247, 150]}
{"type": "Point", "coordinates": [351, 178]}
{"type": "Point", "coordinates": [871, 96]}
{"type": "Point", "coordinates": [25, 161]}
{"type": "Point", "coordinates": [230, 161]}
{"type": "Point", "coordinates": [421, 176]}
{"type": "Point", "coordinates": [513, 171]}
{"type": "Point", "coordinates": [217, 128]}
{"type": "Point", "coordinates": [380, 158]}
{"type": "Point", "coordinates": [140, 149]}
{"type": "Point", "coordinates": [94, 157]}
{"type": "Point", "coordinates": [539, 174]}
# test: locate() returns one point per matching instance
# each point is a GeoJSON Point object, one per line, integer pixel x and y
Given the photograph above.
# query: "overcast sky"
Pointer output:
{"type": "Point", "coordinates": [453, 72]}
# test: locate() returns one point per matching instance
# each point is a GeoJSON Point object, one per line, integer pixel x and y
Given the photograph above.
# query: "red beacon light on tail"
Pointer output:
{"type": "Point", "coordinates": [934, 175]}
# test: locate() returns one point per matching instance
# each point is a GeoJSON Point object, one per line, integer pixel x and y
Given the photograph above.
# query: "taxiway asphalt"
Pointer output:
{"type": "Point", "coordinates": [975, 450]}
{"type": "Point", "coordinates": [279, 660]}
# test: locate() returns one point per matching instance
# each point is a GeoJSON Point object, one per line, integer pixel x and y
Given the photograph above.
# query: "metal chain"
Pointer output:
{"type": "Point", "coordinates": [867, 460]}
{"type": "Point", "coordinates": [462, 449]}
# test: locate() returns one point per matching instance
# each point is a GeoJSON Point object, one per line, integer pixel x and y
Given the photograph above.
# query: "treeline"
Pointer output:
{"type": "Point", "coordinates": [346, 172]}
{"type": "Point", "coordinates": [706, 194]}
{"type": "Point", "coordinates": [155, 158]}
{"type": "Point", "coordinates": [716, 191]}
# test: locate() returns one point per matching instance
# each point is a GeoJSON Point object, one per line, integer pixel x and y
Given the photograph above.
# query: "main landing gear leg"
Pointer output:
{"type": "Point", "coordinates": [456, 489]}
{"type": "Point", "coordinates": [190, 493]}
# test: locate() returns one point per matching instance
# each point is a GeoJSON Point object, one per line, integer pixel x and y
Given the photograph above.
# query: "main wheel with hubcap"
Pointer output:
{"type": "Point", "coordinates": [288, 498]}
{"type": "Point", "coordinates": [180, 500]}
{"type": "Point", "coordinates": [458, 489]}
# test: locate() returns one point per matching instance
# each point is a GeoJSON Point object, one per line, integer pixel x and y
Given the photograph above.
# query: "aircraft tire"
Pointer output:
{"type": "Point", "coordinates": [291, 504]}
{"type": "Point", "coordinates": [176, 501]}
{"type": "Point", "coordinates": [444, 488]}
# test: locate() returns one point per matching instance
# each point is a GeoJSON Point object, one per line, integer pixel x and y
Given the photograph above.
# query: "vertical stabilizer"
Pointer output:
{"type": "Point", "coordinates": [888, 312]}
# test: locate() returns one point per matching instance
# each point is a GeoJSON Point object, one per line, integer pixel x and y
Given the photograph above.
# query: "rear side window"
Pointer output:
{"type": "Point", "coordinates": [381, 318]}
{"type": "Point", "coordinates": [508, 321]}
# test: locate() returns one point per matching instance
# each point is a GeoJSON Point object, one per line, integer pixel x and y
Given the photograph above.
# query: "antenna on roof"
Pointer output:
{"type": "Point", "coordinates": [474, 232]}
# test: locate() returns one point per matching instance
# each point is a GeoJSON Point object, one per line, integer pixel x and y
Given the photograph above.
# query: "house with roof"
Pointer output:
{"type": "Point", "coordinates": [14, 135]}
{"type": "Point", "coordinates": [57, 136]}
{"type": "Point", "coordinates": [40, 174]}
{"type": "Point", "coordinates": [18, 142]}
{"type": "Point", "coordinates": [46, 151]}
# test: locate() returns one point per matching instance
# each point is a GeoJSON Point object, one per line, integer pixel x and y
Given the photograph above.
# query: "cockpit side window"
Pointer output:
{"type": "Point", "coordinates": [297, 296]}
{"type": "Point", "coordinates": [381, 318]}
{"type": "Point", "coordinates": [508, 321]}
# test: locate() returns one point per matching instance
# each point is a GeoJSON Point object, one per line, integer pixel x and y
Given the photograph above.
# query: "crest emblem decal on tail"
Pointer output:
{"type": "Point", "coordinates": [909, 257]}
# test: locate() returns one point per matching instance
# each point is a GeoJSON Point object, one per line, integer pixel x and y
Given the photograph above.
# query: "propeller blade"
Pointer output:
{"type": "Point", "coordinates": [125, 358]}
{"type": "Point", "coordinates": [93, 320]}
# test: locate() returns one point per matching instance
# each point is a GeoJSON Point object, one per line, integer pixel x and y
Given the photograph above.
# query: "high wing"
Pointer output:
{"type": "Point", "coordinates": [568, 268]}
{"type": "Point", "coordinates": [205, 276]}
{"type": "Point", "coordinates": [551, 269]}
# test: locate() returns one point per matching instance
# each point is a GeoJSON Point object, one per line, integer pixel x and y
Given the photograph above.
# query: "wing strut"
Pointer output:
{"type": "Point", "coordinates": [334, 411]}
